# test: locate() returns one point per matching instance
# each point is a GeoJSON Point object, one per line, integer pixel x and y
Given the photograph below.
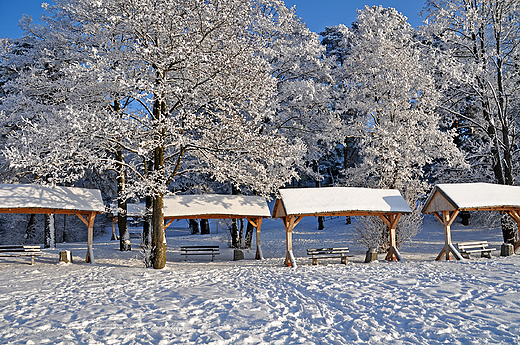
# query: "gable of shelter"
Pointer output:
{"type": "Point", "coordinates": [438, 203]}
{"type": "Point", "coordinates": [279, 209]}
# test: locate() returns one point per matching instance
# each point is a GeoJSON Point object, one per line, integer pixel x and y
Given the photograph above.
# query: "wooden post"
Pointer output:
{"type": "Point", "coordinates": [89, 222]}
{"type": "Point", "coordinates": [258, 226]}
{"type": "Point", "coordinates": [289, 223]}
{"type": "Point", "coordinates": [447, 220]}
{"type": "Point", "coordinates": [516, 216]}
{"type": "Point", "coordinates": [114, 221]}
{"type": "Point", "coordinates": [391, 221]}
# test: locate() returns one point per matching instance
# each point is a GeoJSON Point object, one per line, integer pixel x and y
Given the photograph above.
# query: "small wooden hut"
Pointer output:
{"type": "Point", "coordinates": [296, 203]}
{"type": "Point", "coordinates": [447, 200]}
{"type": "Point", "coordinates": [38, 199]}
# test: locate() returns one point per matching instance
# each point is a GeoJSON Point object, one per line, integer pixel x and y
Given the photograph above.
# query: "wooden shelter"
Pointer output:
{"type": "Point", "coordinates": [294, 204]}
{"type": "Point", "coordinates": [447, 200]}
{"type": "Point", "coordinates": [218, 206]}
{"type": "Point", "coordinates": [37, 199]}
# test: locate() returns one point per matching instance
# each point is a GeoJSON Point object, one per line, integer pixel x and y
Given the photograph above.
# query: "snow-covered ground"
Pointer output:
{"type": "Point", "coordinates": [118, 301]}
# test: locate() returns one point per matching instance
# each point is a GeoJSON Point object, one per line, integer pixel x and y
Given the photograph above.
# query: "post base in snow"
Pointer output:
{"type": "Point", "coordinates": [90, 255]}
{"type": "Point", "coordinates": [506, 249]}
{"type": "Point", "coordinates": [66, 256]}
{"type": "Point", "coordinates": [371, 255]}
{"type": "Point", "coordinates": [259, 254]}
{"type": "Point", "coordinates": [290, 261]}
{"type": "Point", "coordinates": [238, 255]}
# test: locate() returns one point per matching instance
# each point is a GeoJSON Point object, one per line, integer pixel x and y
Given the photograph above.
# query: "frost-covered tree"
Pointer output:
{"type": "Point", "coordinates": [480, 43]}
{"type": "Point", "coordinates": [389, 81]}
{"type": "Point", "coordinates": [197, 75]}
{"type": "Point", "coordinates": [302, 108]}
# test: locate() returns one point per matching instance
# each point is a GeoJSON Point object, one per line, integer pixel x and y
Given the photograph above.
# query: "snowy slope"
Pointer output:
{"type": "Point", "coordinates": [117, 301]}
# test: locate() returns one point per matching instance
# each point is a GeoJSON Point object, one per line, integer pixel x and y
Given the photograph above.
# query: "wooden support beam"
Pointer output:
{"type": "Point", "coordinates": [168, 223]}
{"type": "Point", "coordinates": [252, 221]}
{"type": "Point", "coordinates": [90, 237]}
{"type": "Point", "coordinates": [114, 236]}
{"type": "Point", "coordinates": [289, 224]}
{"type": "Point", "coordinates": [447, 220]}
{"type": "Point", "coordinates": [83, 219]}
{"type": "Point", "coordinates": [259, 253]}
{"type": "Point", "coordinates": [391, 221]}
{"type": "Point", "coordinates": [516, 216]}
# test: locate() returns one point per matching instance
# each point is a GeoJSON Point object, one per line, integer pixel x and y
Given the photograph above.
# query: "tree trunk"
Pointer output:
{"type": "Point", "coordinates": [250, 229]}
{"type": "Point", "coordinates": [147, 224]}
{"type": "Point", "coordinates": [321, 220]}
{"type": "Point", "coordinates": [194, 226]}
{"type": "Point", "coordinates": [30, 231]}
{"type": "Point", "coordinates": [509, 228]}
{"type": "Point", "coordinates": [64, 235]}
{"type": "Point", "coordinates": [235, 240]}
{"type": "Point", "coordinates": [235, 234]}
{"type": "Point", "coordinates": [159, 235]}
{"type": "Point", "coordinates": [146, 242]}
{"type": "Point", "coordinates": [124, 235]}
{"type": "Point", "coordinates": [49, 232]}
{"type": "Point", "coordinates": [204, 227]}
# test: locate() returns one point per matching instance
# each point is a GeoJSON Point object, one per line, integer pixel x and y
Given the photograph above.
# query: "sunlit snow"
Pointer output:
{"type": "Point", "coordinates": [118, 301]}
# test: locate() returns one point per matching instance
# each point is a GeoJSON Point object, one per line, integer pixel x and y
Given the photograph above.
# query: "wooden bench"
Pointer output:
{"type": "Point", "coordinates": [328, 253]}
{"type": "Point", "coordinates": [20, 250]}
{"type": "Point", "coordinates": [135, 234]}
{"type": "Point", "coordinates": [467, 248]}
{"type": "Point", "coordinates": [200, 250]}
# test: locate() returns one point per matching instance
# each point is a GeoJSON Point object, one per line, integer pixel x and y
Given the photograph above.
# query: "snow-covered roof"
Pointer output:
{"type": "Point", "coordinates": [132, 210]}
{"type": "Point", "coordinates": [310, 201]}
{"type": "Point", "coordinates": [215, 204]}
{"type": "Point", "coordinates": [468, 196]}
{"type": "Point", "coordinates": [22, 196]}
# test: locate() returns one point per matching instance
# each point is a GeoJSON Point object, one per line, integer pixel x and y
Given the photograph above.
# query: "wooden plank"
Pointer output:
{"type": "Point", "coordinates": [82, 219]}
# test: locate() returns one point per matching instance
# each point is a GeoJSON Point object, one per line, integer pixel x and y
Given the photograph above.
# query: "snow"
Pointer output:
{"type": "Point", "coordinates": [301, 201]}
{"type": "Point", "coordinates": [215, 204]}
{"type": "Point", "coordinates": [43, 197]}
{"type": "Point", "coordinates": [132, 210]}
{"type": "Point", "coordinates": [476, 195]}
{"type": "Point", "coordinates": [118, 301]}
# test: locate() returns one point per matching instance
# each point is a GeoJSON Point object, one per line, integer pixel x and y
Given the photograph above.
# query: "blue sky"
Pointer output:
{"type": "Point", "coordinates": [316, 13]}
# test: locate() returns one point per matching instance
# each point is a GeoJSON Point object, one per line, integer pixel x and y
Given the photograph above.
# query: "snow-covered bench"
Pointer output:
{"type": "Point", "coordinates": [328, 253]}
{"type": "Point", "coordinates": [467, 248]}
{"type": "Point", "coordinates": [20, 250]}
{"type": "Point", "coordinates": [200, 250]}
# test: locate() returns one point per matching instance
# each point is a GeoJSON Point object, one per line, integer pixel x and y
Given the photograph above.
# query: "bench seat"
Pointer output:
{"type": "Point", "coordinates": [20, 250]}
{"type": "Point", "coordinates": [328, 253]}
{"type": "Point", "coordinates": [200, 250]}
{"type": "Point", "coordinates": [468, 248]}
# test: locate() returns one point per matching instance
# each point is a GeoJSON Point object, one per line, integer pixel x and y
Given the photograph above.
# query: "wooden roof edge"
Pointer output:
{"type": "Point", "coordinates": [431, 196]}
{"type": "Point", "coordinates": [216, 216]}
{"type": "Point", "coordinates": [46, 210]}
{"type": "Point", "coordinates": [347, 213]}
